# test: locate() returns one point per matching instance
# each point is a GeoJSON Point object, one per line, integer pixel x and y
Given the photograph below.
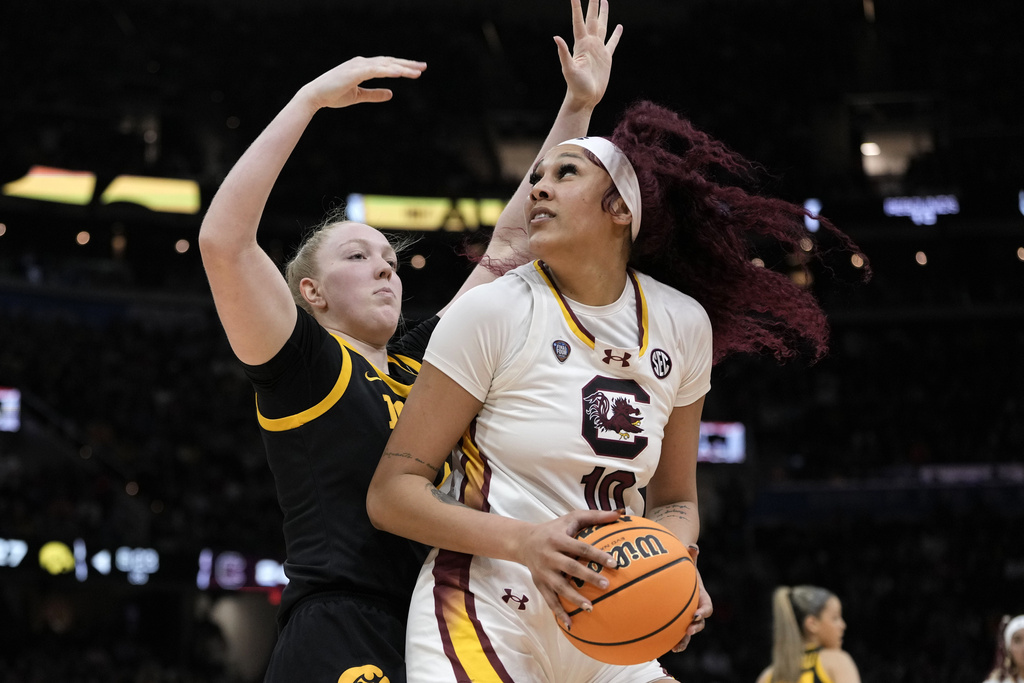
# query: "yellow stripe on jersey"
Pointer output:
{"type": "Point", "coordinates": [812, 670]}
{"type": "Point", "coordinates": [566, 313]}
{"type": "Point", "coordinates": [282, 424]}
{"type": "Point", "coordinates": [397, 387]}
{"type": "Point", "coordinates": [474, 468]}
{"type": "Point", "coordinates": [411, 363]}
{"type": "Point", "coordinates": [643, 314]}
{"type": "Point", "coordinates": [465, 640]}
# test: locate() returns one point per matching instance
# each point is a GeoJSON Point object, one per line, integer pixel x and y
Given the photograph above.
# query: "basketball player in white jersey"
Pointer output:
{"type": "Point", "coordinates": [574, 382]}
{"type": "Point", "coordinates": [582, 389]}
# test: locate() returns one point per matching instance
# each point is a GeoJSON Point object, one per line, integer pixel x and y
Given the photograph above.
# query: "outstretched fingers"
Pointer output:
{"type": "Point", "coordinates": [597, 17]}
{"type": "Point", "coordinates": [595, 24]}
{"type": "Point", "coordinates": [342, 85]}
{"type": "Point", "coordinates": [579, 24]}
{"type": "Point", "coordinates": [397, 67]}
{"type": "Point", "coordinates": [614, 40]}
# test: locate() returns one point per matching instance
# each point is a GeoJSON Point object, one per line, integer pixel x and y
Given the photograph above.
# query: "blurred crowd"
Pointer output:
{"type": "Point", "coordinates": [138, 428]}
{"type": "Point", "coordinates": [885, 472]}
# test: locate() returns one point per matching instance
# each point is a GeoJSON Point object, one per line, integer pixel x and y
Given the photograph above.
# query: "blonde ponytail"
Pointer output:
{"type": "Point", "coordinates": [787, 641]}
{"type": "Point", "coordinates": [790, 607]}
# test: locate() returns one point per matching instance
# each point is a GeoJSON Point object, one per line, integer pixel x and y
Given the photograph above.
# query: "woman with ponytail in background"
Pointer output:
{"type": "Point", "coordinates": [808, 632]}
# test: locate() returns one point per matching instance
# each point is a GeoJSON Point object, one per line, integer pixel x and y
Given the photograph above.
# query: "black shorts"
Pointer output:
{"type": "Point", "coordinates": [339, 638]}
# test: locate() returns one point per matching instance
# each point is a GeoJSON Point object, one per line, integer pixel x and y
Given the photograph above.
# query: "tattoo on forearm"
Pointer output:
{"type": "Point", "coordinates": [681, 511]}
{"type": "Point", "coordinates": [410, 456]}
{"type": "Point", "coordinates": [444, 497]}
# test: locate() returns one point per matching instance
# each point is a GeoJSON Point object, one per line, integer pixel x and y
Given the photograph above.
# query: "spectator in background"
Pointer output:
{"type": "Point", "coordinates": [808, 630]}
{"type": "Point", "coordinates": [1009, 664]}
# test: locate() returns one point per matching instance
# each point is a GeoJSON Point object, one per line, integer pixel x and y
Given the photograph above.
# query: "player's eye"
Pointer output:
{"type": "Point", "coordinates": [566, 169]}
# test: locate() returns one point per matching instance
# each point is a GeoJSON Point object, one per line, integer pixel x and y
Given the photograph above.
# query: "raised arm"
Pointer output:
{"type": "Point", "coordinates": [252, 298]}
{"type": "Point", "coordinates": [586, 68]}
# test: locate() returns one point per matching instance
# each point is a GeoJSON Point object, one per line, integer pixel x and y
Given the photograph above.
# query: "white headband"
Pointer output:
{"type": "Point", "coordinates": [1016, 624]}
{"type": "Point", "coordinates": [621, 171]}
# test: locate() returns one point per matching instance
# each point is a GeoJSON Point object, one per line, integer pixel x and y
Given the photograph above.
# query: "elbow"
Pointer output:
{"type": "Point", "coordinates": [210, 242]}
{"type": "Point", "coordinates": [210, 248]}
{"type": "Point", "coordinates": [377, 508]}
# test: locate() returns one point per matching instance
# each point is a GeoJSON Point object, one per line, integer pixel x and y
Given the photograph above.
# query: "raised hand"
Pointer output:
{"type": "Point", "coordinates": [588, 66]}
{"type": "Point", "coordinates": [342, 85]}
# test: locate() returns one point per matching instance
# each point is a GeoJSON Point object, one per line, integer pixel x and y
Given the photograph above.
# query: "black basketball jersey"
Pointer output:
{"type": "Point", "coordinates": [326, 414]}
{"type": "Point", "coordinates": [812, 670]}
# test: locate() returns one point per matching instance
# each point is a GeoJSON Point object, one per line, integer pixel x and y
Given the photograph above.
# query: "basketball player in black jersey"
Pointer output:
{"type": "Point", "coordinates": [808, 630]}
{"type": "Point", "coordinates": [329, 388]}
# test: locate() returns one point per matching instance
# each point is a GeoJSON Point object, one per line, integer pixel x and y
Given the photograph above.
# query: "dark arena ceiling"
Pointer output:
{"type": "Point", "coordinates": [180, 88]}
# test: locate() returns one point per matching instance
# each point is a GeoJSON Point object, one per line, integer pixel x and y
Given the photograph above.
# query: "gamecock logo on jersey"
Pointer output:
{"type": "Point", "coordinates": [612, 416]}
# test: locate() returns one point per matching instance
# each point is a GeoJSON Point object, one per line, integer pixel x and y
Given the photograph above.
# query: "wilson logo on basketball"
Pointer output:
{"type": "Point", "coordinates": [628, 551]}
{"type": "Point", "coordinates": [639, 548]}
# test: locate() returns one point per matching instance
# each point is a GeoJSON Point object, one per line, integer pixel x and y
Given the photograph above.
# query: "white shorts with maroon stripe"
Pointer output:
{"type": "Point", "coordinates": [483, 620]}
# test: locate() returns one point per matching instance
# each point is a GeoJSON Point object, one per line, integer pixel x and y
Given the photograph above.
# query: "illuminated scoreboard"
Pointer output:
{"type": "Point", "coordinates": [76, 560]}
{"type": "Point", "coordinates": [60, 558]}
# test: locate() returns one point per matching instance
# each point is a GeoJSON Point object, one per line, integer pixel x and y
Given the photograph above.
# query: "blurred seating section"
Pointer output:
{"type": "Point", "coordinates": [891, 471]}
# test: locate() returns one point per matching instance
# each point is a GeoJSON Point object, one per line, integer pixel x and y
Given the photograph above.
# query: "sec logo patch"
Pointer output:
{"type": "Point", "coordinates": [661, 363]}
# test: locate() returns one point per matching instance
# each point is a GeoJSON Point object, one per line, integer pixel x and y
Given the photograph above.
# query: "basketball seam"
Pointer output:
{"type": "Point", "coordinates": [646, 635]}
{"type": "Point", "coordinates": [629, 583]}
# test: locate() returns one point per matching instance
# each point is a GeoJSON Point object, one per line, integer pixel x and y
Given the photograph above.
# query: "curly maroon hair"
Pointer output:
{"type": "Point", "coordinates": [701, 229]}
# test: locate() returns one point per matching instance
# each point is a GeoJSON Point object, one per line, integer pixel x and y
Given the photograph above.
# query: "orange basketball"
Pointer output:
{"type": "Point", "coordinates": [650, 599]}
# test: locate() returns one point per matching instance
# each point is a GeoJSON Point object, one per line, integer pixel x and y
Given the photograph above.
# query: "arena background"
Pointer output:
{"type": "Point", "coordinates": [139, 532]}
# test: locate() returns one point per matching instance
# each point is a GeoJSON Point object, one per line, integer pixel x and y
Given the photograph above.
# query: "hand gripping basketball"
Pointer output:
{"type": "Point", "coordinates": [650, 600]}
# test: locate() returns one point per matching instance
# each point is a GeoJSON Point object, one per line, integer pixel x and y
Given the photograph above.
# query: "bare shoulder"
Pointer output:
{"type": "Point", "coordinates": [840, 665]}
{"type": "Point", "coordinates": [765, 675]}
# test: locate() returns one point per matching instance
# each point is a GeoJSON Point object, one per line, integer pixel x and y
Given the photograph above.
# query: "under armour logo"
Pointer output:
{"type": "Point", "coordinates": [509, 597]}
{"type": "Point", "coordinates": [623, 359]}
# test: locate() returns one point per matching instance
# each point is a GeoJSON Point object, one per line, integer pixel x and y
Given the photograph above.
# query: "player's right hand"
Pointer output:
{"type": "Point", "coordinates": [552, 554]}
{"type": "Point", "coordinates": [342, 85]}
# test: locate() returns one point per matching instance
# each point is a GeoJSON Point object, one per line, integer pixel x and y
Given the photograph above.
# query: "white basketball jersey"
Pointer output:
{"type": "Point", "coordinates": [569, 421]}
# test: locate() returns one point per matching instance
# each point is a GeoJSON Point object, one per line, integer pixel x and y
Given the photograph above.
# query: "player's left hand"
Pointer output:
{"type": "Point", "coordinates": [704, 610]}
